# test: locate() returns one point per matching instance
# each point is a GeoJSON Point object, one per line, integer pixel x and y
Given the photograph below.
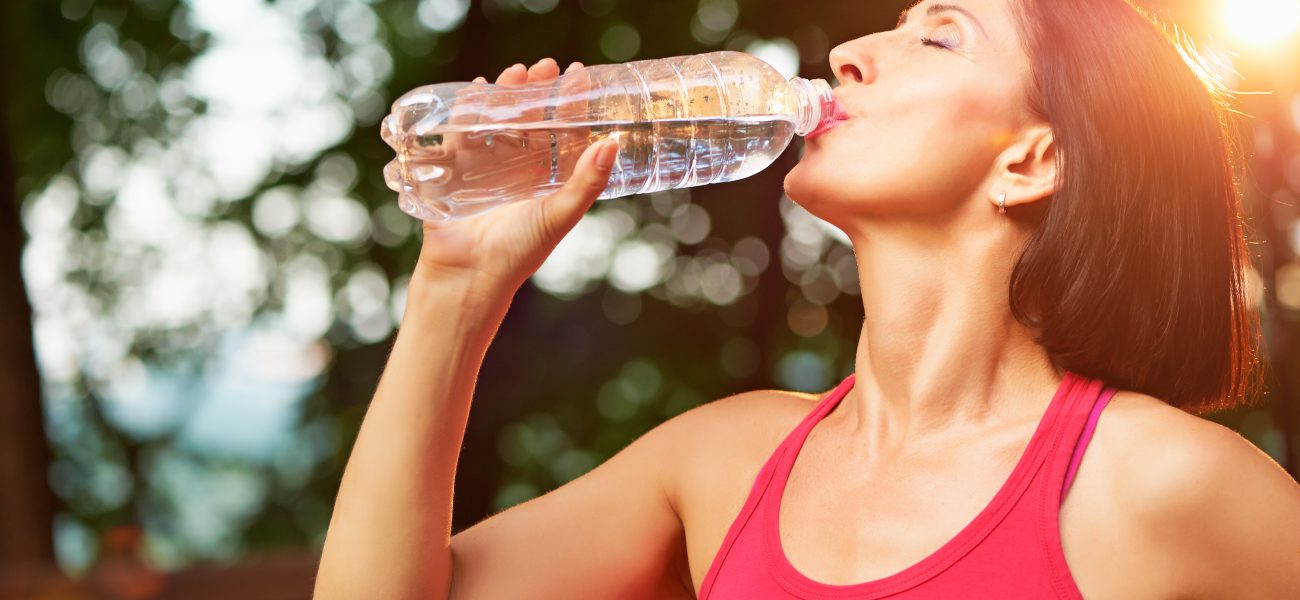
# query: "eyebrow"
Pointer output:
{"type": "Point", "coordinates": [935, 9]}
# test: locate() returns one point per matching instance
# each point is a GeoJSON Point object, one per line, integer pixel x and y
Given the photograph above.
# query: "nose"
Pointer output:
{"type": "Point", "coordinates": [850, 62]}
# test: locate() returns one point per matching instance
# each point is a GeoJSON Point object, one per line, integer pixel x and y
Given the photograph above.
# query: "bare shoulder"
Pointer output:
{"type": "Point", "coordinates": [1190, 488]}
{"type": "Point", "coordinates": [1171, 450]}
{"type": "Point", "coordinates": [757, 408]}
{"type": "Point", "coordinates": [722, 444]}
{"type": "Point", "coordinates": [740, 424]}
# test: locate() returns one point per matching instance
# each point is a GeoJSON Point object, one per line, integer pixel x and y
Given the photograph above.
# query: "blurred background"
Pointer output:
{"type": "Point", "coordinates": [201, 269]}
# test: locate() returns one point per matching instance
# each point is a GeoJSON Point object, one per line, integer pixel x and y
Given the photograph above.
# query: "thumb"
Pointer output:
{"type": "Point", "coordinates": [591, 174]}
{"type": "Point", "coordinates": [590, 177]}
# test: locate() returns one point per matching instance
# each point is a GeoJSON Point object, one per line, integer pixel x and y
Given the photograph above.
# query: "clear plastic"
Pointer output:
{"type": "Point", "coordinates": [464, 148]}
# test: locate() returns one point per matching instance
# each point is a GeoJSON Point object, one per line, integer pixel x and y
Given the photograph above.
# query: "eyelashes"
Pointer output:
{"type": "Point", "coordinates": [925, 41]}
{"type": "Point", "coordinates": [945, 42]}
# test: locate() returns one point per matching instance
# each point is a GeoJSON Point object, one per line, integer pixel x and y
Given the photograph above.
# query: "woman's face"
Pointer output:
{"type": "Point", "coordinates": [931, 104]}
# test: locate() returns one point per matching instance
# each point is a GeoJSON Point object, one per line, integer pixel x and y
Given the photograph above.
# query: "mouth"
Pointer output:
{"type": "Point", "coordinates": [838, 115]}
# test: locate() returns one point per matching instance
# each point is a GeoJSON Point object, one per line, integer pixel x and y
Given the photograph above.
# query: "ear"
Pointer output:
{"type": "Point", "coordinates": [1027, 170]}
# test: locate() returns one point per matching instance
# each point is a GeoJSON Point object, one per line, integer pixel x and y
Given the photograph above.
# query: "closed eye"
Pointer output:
{"type": "Point", "coordinates": [925, 41]}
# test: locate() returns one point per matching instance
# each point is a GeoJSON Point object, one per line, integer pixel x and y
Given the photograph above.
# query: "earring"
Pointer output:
{"type": "Point", "coordinates": [1002, 203]}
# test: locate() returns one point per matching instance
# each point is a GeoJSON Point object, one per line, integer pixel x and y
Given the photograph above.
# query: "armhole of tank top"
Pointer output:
{"type": "Point", "coordinates": [762, 481]}
{"type": "Point", "coordinates": [756, 491]}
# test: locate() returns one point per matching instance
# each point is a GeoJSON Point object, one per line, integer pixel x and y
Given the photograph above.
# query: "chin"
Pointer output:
{"type": "Point", "coordinates": [831, 200]}
{"type": "Point", "coordinates": [814, 191]}
{"type": "Point", "coordinates": [800, 184]}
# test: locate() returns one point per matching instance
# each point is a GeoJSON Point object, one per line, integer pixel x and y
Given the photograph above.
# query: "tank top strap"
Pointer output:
{"type": "Point", "coordinates": [782, 460]}
{"type": "Point", "coordinates": [1080, 446]}
{"type": "Point", "coordinates": [1077, 420]}
{"type": "Point", "coordinates": [1049, 487]}
{"type": "Point", "coordinates": [824, 406]}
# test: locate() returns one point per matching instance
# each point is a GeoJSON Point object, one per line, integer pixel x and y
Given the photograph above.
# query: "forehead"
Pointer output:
{"type": "Point", "coordinates": [996, 18]}
{"type": "Point", "coordinates": [993, 15]}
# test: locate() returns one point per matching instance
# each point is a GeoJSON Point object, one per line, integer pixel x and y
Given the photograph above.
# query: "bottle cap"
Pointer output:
{"type": "Point", "coordinates": [816, 104]}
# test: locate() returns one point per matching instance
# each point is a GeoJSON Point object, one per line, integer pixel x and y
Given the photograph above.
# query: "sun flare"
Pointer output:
{"type": "Point", "coordinates": [1261, 21]}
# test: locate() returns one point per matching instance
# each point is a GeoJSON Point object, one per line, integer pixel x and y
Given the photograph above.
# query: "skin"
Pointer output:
{"type": "Point", "coordinates": [949, 386]}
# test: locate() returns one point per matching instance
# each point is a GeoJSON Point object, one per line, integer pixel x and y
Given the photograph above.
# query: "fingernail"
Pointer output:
{"type": "Point", "coordinates": [518, 66]}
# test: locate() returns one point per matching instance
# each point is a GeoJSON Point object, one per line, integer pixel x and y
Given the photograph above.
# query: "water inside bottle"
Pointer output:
{"type": "Point", "coordinates": [459, 170]}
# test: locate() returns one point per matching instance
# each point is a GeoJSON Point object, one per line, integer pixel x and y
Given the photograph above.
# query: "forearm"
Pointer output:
{"type": "Point", "coordinates": [390, 532]}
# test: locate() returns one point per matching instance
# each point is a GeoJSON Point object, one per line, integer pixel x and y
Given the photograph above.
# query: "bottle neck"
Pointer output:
{"type": "Point", "coordinates": [815, 103]}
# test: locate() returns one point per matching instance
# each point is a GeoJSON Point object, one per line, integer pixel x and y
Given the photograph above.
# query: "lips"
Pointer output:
{"type": "Point", "coordinates": [838, 115]}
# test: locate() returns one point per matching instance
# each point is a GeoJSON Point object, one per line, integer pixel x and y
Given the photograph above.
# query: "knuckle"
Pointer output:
{"type": "Point", "coordinates": [546, 226]}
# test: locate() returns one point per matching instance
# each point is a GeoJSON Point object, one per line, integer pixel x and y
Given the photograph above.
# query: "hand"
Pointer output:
{"type": "Point", "coordinates": [496, 251]}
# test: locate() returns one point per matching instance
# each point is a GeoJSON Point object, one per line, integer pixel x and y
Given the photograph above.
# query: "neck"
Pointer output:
{"type": "Point", "coordinates": [940, 351]}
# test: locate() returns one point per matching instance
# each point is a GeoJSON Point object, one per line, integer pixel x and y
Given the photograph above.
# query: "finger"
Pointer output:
{"type": "Point", "coordinates": [544, 70]}
{"type": "Point", "coordinates": [514, 75]}
{"type": "Point", "coordinates": [480, 79]}
{"type": "Point", "coordinates": [573, 65]}
{"type": "Point", "coordinates": [517, 73]}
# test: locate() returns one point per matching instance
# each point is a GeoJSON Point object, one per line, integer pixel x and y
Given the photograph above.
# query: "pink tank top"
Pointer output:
{"type": "Point", "coordinates": [1011, 550]}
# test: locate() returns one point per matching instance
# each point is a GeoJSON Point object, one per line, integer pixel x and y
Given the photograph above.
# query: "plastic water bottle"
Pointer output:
{"type": "Point", "coordinates": [464, 148]}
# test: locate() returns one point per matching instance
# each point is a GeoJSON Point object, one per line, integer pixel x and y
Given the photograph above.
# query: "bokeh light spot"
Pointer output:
{"type": "Point", "coordinates": [620, 42]}
{"type": "Point", "coordinates": [442, 15]}
{"type": "Point", "coordinates": [636, 266]}
{"type": "Point", "coordinates": [803, 371]}
{"type": "Point", "coordinates": [806, 319]}
{"type": "Point", "coordinates": [779, 52]}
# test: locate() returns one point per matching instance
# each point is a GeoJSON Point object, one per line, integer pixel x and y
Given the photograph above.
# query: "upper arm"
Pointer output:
{"type": "Point", "coordinates": [1226, 513]}
{"type": "Point", "coordinates": [613, 532]}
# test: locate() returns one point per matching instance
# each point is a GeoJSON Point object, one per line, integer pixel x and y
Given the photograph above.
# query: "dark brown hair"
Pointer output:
{"type": "Point", "coordinates": [1135, 271]}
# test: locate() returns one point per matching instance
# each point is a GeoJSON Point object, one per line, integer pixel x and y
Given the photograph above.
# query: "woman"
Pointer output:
{"type": "Point", "coordinates": [1046, 203]}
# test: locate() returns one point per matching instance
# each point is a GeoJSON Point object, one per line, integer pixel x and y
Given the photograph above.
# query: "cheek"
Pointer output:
{"type": "Point", "coordinates": [954, 136]}
{"type": "Point", "coordinates": [929, 153]}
